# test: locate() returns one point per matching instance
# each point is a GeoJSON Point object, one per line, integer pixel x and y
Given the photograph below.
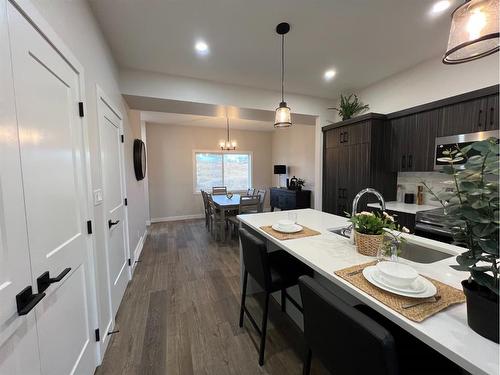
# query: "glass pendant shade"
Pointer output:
{"type": "Point", "coordinates": [283, 117]}
{"type": "Point", "coordinates": [474, 31]}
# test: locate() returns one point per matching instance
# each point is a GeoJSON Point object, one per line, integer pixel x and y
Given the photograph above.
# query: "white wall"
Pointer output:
{"type": "Point", "coordinates": [430, 81]}
{"type": "Point", "coordinates": [170, 164]}
{"type": "Point", "coordinates": [75, 25]}
{"type": "Point", "coordinates": [155, 85]}
{"type": "Point", "coordinates": [295, 147]}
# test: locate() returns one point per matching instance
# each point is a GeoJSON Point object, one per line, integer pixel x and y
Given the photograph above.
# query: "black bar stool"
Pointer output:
{"type": "Point", "coordinates": [274, 272]}
{"type": "Point", "coordinates": [345, 340]}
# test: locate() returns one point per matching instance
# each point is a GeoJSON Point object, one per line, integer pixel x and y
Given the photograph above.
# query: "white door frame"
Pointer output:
{"type": "Point", "coordinates": [29, 11]}
{"type": "Point", "coordinates": [103, 99]}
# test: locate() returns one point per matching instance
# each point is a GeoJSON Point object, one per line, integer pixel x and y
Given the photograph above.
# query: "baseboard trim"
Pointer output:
{"type": "Point", "coordinates": [176, 218]}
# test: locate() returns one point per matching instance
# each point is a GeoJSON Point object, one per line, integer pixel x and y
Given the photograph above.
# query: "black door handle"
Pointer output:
{"type": "Point", "coordinates": [492, 112]}
{"type": "Point", "coordinates": [26, 300]}
{"type": "Point", "coordinates": [410, 161]}
{"type": "Point", "coordinates": [44, 281]}
{"type": "Point", "coordinates": [111, 223]}
{"type": "Point", "coordinates": [479, 118]}
{"type": "Point", "coordinates": [341, 135]}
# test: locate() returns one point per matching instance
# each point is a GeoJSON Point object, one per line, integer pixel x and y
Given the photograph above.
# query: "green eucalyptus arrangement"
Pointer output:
{"type": "Point", "coordinates": [350, 106]}
{"type": "Point", "coordinates": [472, 209]}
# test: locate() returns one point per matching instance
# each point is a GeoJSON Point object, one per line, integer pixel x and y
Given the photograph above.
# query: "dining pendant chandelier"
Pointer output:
{"type": "Point", "coordinates": [228, 144]}
{"type": "Point", "coordinates": [474, 31]}
{"type": "Point", "coordinates": [283, 118]}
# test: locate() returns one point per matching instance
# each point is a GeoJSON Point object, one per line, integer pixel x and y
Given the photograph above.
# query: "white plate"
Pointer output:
{"type": "Point", "coordinates": [293, 228]}
{"type": "Point", "coordinates": [417, 286]}
{"type": "Point", "coordinates": [430, 289]}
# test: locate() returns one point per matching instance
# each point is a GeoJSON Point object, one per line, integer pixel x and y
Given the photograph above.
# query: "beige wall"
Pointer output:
{"type": "Point", "coordinates": [170, 164]}
{"type": "Point", "coordinates": [294, 147]}
{"type": "Point", "coordinates": [429, 81]}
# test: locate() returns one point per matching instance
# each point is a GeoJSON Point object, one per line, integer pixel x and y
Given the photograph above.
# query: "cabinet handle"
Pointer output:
{"type": "Point", "coordinates": [340, 137]}
{"type": "Point", "coordinates": [111, 223]}
{"type": "Point", "coordinates": [492, 113]}
{"type": "Point", "coordinates": [410, 161]}
{"type": "Point", "coordinates": [403, 162]}
{"type": "Point", "coordinates": [479, 118]}
{"type": "Point", "coordinates": [44, 280]}
{"type": "Point", "coordinates": [26, 300]}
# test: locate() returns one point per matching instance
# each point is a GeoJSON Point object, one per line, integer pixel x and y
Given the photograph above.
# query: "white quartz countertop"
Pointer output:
{"type": "Point", "coordinates": [446, 331]}
{"type": "Point", "coordinates": [404, 207]}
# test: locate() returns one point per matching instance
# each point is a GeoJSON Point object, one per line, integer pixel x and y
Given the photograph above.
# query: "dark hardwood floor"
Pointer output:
{"type": "Point", "coordinates": [179, 315]}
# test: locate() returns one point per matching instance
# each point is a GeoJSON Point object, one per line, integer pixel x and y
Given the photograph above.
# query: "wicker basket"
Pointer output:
{"type": "Point", "coordinates": [368, 244]}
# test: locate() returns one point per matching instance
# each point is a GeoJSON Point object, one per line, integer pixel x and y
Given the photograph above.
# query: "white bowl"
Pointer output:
{"type": "Point", "coordinates": [397, 274]}
{"type": "Point", "coordinates": [286, 224]}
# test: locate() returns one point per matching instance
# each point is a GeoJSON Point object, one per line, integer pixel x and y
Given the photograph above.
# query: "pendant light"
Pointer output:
{"type": "Point", "coordinates": [227, 145]}
{"type": "Point", "coordinates": [474, 31]}
{"type": "Point", "coordinates": [283, 118]}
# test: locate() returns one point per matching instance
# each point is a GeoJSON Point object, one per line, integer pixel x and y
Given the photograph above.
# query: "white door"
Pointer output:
{"type": "Point", "coordinates": [18, 340]}
{"type": "Point", "coordinates": [114, 208]}
{"type": "Point", "coordinates": [54, 184]}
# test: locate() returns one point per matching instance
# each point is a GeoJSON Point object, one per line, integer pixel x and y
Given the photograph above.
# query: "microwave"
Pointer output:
{"type": "Point", "coordinates": [460, 141]}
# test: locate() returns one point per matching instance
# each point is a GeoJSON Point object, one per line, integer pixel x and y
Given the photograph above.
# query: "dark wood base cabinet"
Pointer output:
{"type": "Point", "coordinates": [285, 199]}
{"type": "Point", "coordinates": [356, 155]}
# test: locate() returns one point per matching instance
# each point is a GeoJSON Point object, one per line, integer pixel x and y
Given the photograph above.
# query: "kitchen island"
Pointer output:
{"type": "Point", "coordinates": [447, 331]}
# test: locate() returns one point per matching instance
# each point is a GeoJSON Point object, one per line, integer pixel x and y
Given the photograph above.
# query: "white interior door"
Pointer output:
{"type": "Point", "coordinates": [114, 209]}
{"type": "Point", "coordinates": [53, 172]}
{"type": "Point", "coordinates": [18, 339]}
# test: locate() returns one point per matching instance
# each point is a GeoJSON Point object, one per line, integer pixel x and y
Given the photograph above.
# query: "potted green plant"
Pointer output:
{"type": "Point", "coordinates": [350, 106]}
{"type": "Point", "coordinates": [300, 183]}
{"type": "Point", "coordinates": [472, 213]}
{"type": "Point", "coordinates": [369, 229]}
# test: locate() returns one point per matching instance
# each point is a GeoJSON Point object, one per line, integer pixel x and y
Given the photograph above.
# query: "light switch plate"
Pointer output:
{"type": "Point", "coordinates": [97, 197]}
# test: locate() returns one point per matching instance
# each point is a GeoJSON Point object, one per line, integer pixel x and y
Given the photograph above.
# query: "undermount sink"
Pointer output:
{"type": "Point", "coordinates": [411, 251]}
{"type": "Point", "coordinates": [421, 254]}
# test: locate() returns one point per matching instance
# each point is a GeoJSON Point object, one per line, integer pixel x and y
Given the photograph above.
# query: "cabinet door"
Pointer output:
{"type": "Point", "coordinates": [343, 183]}
{"type": "Point", "coordinates": [492, 112]}
{"type": "Point", "coordinates": [330, 183]}
{"type": "Point", "coordinates": [359, 174]}
{"type": "Point", "coordinates": [463, 118]}
{"type": "Point", "coordinates": [333, 137]}
{"type": "Point", "coordinates": [402, 130]}
{"type": "Point", "coordinates": [356, 134]}
{"type": "Point", "coordinates": [422, 139]}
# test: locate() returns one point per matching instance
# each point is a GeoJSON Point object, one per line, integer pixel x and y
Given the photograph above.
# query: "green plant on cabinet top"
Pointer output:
{"type": "Point", "coordinates": [350, 106]}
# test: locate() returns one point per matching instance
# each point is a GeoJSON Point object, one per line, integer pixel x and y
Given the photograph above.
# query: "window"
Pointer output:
{"type": "Point", "coordinates": [230, 169]}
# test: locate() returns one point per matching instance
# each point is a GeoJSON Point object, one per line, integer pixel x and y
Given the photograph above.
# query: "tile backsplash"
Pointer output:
{"type": "Point", "coordinates": [435, 180]}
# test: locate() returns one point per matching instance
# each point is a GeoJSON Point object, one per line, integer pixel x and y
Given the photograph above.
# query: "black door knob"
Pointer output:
{"type": "Point", "coordinates": [111, 223]}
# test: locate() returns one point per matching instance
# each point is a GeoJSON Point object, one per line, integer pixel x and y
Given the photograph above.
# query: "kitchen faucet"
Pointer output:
{"type": "Point", "coordinates": [355, 204]}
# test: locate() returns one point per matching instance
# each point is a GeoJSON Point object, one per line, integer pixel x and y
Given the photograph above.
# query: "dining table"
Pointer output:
{"type": "Point", "coordinates": [224, 204]}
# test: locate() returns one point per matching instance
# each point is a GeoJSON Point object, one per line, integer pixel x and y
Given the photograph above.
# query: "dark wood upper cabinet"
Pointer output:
{"type": "Point", "coordinates": [492, 114]}
{"type": "Point", "coordinates": [359, 159]}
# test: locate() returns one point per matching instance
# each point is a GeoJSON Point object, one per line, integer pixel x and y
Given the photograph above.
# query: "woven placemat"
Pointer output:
{"type": "Point", "coordinates": [305, 232]}
{"type": "Point", "coordinates": [449, 295]}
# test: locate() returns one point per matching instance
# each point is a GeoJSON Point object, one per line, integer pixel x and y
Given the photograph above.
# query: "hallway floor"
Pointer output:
{"type": "Point", "coordinates": [179, 315]}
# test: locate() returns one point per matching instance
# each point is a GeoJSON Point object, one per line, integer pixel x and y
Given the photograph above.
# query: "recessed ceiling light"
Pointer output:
{"type": "Point", "coordinates": [440, 6]}
{"type": "Point", "coordinates": [201, 47]}
{"type": "Point", "coordinates": [329, 74]}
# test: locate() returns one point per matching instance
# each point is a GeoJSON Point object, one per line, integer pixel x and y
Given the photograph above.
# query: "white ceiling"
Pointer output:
{"type": "Point", "coordinates": [206, 121]}
{"type": "Point", "coordinates": [363, 40]}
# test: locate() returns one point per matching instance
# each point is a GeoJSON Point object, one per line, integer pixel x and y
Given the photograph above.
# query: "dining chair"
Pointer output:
{"type": "Point", "coordinates": [217, 223]}
{"type": "Point", "coordinates": [342, 337]}
{"type": "Point", "coordinates": [249, 204]}
{"type": "Point", "coordinates": [206, 208]}
{"type": "Point", "coordinates": [219, 190]}
{"type": "Point", "coordinates": [262, 195]}
{"type": "Point", "coordinates": [275, 271]}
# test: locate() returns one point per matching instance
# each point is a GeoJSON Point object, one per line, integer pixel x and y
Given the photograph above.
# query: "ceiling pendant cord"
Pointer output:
{"type": "Point", "coordinates": [282, 67]}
